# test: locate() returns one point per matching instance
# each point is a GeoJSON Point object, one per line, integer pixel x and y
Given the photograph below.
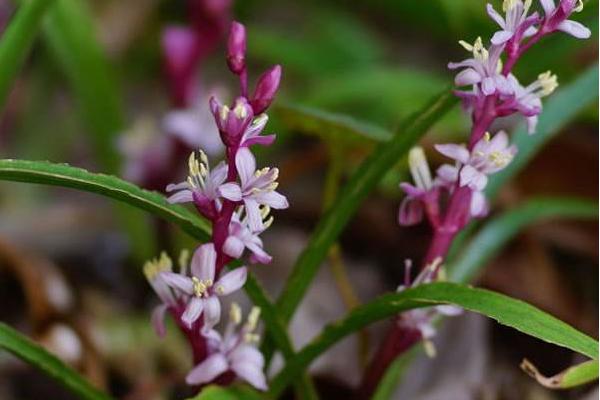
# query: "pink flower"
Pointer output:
{"type": "Point", "coordinates": [232, 122]}
{"type": "Point", "coordinates": [488, 156]}
{"type": "Point", "coordinates": [204, 187]}
{"type": "Point", "coordinates": [516, 23]}
{"type": "Point", "coordinates": [527, 100]}
{"type": "Point", "coordinates": [557, 18]}
{"type": "Point", "coordinates": [235, 351]}
{"type": "Point", "coordinates": [202, 289]}
{"type": "Point", "coordinates": [482, 70]}
{"type": "Point", "coordinates": [258, 188]}
{"type": "Point", "coordinates": [252, 134]}
{"type": "Point", "coordinates": [412, 207]}
{"type": "Point", "coordinates": [241, 237]}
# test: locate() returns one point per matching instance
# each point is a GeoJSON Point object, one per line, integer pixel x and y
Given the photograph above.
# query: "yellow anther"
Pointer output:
{"type": "Point", "coordinates": [272, 186]}
{"type": "Point", "coordinates": [548, 82]}
{"type": "Point", "coordinates": [184, 258]}
{"type": "Point", "coordinates": [419, 169]}
{"type": "Point", "coordinates": [240, 111]}
{"type": "Point", "coordinates": [479, 52]}
{"type": "Point", "coordinates": [191, 182]}
{"type": "Point", "coordinates": [499, 158]}
{"type": "Point", "coordinates": [429, 348]}
{"type": "Point", "coordinates": [466, 45]}
{"type": "Point", "coordinates": [268, 222]}
{"type": "Point", "coordinates": [264, 211]}
{"type": "Point", "coordinates": [251, 338]}
{"type": "Point", "coordinates": [155, 266]}
{"type": "Point", "coordinates": [508, 5]}
{"type": "Point", "coordinates": [200, 286]}
{"type": "Point", "coordinates": [203, 157]}
{"type": "Point", "coordinates": [235, 313]}
{"type": "Point", "coordinates": [487, 137]}
{"type": "Point", "coordinates": [224, 112]}
{"type": "Point", "coordinates": [579, 6]}
{"type": "Point", "coordinates": [252, 320]}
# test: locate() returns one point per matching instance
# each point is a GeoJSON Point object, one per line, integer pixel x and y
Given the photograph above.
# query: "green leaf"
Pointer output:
{"type": "Point", "coordinates": [574, 376]}
{"type": "Point", "coordinates": [558, 110]}
{"type": "Point", "coordinates": [69, 32]}
{"type": "Point", "coordinates": [500, 230]}
{"type": "Point", "coordinates": [507, 311]}
{"type": "Point", "coordinates": [327, 124]}
{"type": "Point", "coordinates": [109, 186]}
{"type": "Point", "coordinates": [236, 392]}
{"type": "Point", "coordinates": [356, 190]}
{"type": "Point", "coordinates": [30, 352]}
{"type": "Point", "coordinates": [17, 40]}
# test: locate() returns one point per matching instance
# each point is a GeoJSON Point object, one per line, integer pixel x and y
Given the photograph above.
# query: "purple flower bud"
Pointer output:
{"type": "Point", "coordinates": [236, 48]}
{"type": "Point", "coordinates": [232, 122]}
{"type": "Point", "coordinates": [266, 88]}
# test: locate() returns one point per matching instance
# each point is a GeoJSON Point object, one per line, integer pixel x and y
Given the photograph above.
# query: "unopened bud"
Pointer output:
{"type": "Point", "coordinates": [266, 88]}
{"type": "Point", "coordinates": [236, 48]}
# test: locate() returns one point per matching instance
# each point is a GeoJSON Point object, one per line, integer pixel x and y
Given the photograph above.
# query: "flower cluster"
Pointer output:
{"type": "Point", "coordinates": [237, 198]}
{"type": "Point", "coordinates": [455, 195]}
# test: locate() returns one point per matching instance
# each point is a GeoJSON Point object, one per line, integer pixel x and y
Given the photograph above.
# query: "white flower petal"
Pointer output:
{"type": "Point", "coordinates": [574, 29]}
{"type": "Point", "coordinates": [212, 313]}
{"type": "Point", "coordinates": [178, 281]}
{"type": "Point", "coordinates": [230, 191]}
{"type": "Point", "coordinates": [208, 370]}
{"type": "Point", "coordinates": [501, 37]}
{"type": "Point", "coordinates": [193, 311]}
{"type": "Point", "coordinates": [454, 151]}
{"type": "Point", "coordinates": [251, 374]}
{"type": "Point", "coordinates": [203, 262]}
{"type": "Point", "coordinates": [245, 164]}
{"type": "Point", "coordinates": [233, 247]}
{"type": "Point", "coordinates": [231, 281]}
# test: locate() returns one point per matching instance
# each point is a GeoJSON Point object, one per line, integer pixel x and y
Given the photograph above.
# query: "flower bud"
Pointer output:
{"type": "Point", "coordinates": [266, 88]}
{"type": "Point", "coordinates": [232, 122]}
{"type": "Point", "coordinates": [236, 48]}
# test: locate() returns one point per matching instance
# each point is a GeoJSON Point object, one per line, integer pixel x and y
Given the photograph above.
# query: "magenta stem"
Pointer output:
{"type": "Point", "coordinates": [396, 342]}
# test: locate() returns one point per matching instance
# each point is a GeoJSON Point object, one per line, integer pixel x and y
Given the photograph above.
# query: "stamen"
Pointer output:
{"type": "Point", "coordinates": [508, 5]}
{"type": "Point", "coordinates": [487, 137]}
{"type": "Point", "coordinates": [184, 258]}
{"type": "Point", "coordinates": [201, 286]}
{"type": "Point", "coordinates": [419, 168]}
{"type": "Point", "coordinates": [548, 82]}
{"type": "Point", "coordinates": [235, 313]}
{"type": "Point", "coordinates": [224, 112]}
{"type": "Point", "coordinates": [252, 320]}
{"type": "Point", "coordinates": [267, 224]}
{"type": "Point", "coordinates": [251, 338]}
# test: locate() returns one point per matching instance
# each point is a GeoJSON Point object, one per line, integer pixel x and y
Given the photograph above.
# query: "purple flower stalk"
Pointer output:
{"type": "Point", "coordinates": [455, 195]}
{"type": "Point", "coordinates": [236, 198]}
